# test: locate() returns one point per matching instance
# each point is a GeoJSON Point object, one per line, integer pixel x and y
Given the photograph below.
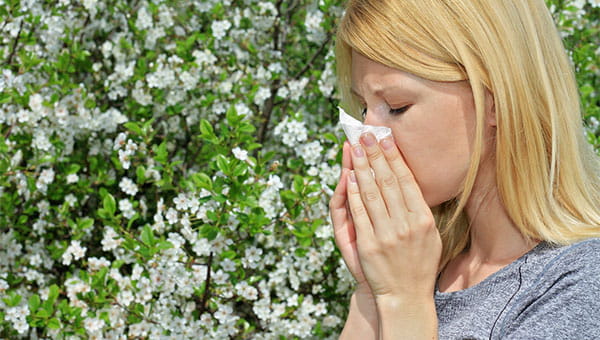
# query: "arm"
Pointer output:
{"type": "Point", "coordinates": [402, 319]}
{"type": "Point", "coordinates": [361, 323]}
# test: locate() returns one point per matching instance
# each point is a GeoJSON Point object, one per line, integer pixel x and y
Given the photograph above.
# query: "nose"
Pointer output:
{"type": "Point", "coordinates": [371, 118]}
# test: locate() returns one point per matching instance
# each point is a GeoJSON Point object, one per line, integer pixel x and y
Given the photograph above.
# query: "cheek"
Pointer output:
{"type": "Point", "coordinates": [439, 157]}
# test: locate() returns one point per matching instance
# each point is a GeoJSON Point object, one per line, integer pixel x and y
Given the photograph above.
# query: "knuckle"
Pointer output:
{"type": "Point", "coordinates": [388, 243]}
{"type": "Point", "coordinates": [370, 196]}
{"type": "Point", "coordinates": [375, 154]}
{"type": "Point", "coordinates": [425, 220]}
{"type": "Point", "coordinates": [358, 211]}
{"type": "Point", "coordinates": [371, 250]}
{"type": "Point", "coordinates": [404, 177]}
{"type": "Point", "coordinates": [402, 235]}
{"type": "Point", "coordinates": [387, 181]}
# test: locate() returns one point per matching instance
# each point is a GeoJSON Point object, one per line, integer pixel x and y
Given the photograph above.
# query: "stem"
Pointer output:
{"type": "Point", "coordinates": [14, 47]}
{"type": "Point", "coordinates": [204, 300]}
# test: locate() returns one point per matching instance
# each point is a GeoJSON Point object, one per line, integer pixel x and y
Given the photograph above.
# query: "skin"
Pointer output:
{"type": "Point", "coordinates": [384, 227]}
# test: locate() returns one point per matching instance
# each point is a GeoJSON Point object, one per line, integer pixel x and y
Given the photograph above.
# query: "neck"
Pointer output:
{"type": "Point", "coordinates": [495, 239]}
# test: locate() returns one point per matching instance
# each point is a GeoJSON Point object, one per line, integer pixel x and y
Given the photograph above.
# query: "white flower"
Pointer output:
{"type": "Point", "coordinates": [219, 28]}
{"type": "Point", "coordinates": [126, 208]}
{"type": "Point", "coordinates": [46, 176]}
{"type": "Point", "coordinates": [181, 202]}
{"type": "Point", "coordinates": [111, 239]}
{"type": "Point", "coordinates": [261, 95]}
{"type": "Point", "coordinates": [242, 109]}
{"type": "Point", "coordinates": [35, 102]}
{"type": "Point", "coordinates": [95, 263]}
{"type": "Point", "coordinates": [125, 159]}
{"type": "Point", "coordinates": [128, 186]}
{"type": "Point", "coordinates": [93, 325]}
{"type": "Point", "coordinates": [310, 152]}
{"type": "Point", "coordinates": [240, 154]}
{"type": "Point", "coordinates": [246, 291]}
{"type": "Point", "coordinates": [252, 258]}
{"type": "Point", "coordinates": [144, 19]}
{"type": "Point", "coordinates": [74, 252]}
{"type": "Point", "coordinates": [70, 199]}
{"type": "Point", "coordinates": [72, 178]}
{"type": "Point", "coordinates": [171, 216]}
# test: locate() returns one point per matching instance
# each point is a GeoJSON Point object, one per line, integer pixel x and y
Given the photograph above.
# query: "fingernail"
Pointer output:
{"type": "Point", "coordinates": [387, 143]}
{"type": "Point", "coordinates": [369, 139]}
{"type": "Point", "coordinates": [358, 151]}
{"type": "Point", "coordinates": [352, 177]}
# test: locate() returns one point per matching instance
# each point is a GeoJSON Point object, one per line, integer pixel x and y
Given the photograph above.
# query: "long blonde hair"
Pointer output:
{"type": "Point", "coordinates": [547, 174]}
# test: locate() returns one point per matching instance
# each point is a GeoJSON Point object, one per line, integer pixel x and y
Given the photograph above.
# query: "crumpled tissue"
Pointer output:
{"type": "Point", "coordinates": [354, 128]}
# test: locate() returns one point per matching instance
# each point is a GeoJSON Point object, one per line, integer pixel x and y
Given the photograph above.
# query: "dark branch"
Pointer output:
{"type": "Point", "coordinates": [14, 47]}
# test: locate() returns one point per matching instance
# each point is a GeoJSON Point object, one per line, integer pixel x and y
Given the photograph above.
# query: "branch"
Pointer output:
{"type": "Point", "coordinates": [14, 47]}
{"type": "Point", "coordinates": [313, 58]}
{"type": "Point", "coordinates": [206, 285]}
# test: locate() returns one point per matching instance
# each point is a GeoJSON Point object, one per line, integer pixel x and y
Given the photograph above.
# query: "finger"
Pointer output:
{"type": "Point", "coordinates": [346, 158]}
{"type": "Point", "coordinates": [369, 191]}
{"type": "Point", "coordinates": [413, 198]}
{"type": "Point", "coordinates": [360, 216]}
{"type": "Point", "coordinates": [384, 177]}
{"type": "Point", "coordinates": [338, 203]}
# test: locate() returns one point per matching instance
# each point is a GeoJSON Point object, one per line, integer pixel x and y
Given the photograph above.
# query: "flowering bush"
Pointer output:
{"type": "Point", "coordinates": [166, 166]}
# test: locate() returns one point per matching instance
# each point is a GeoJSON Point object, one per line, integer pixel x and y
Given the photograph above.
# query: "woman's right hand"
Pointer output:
{"type": "Point", "coordinates": [362, 322]}
{"type": "Point", "coordinates": [345, 235]}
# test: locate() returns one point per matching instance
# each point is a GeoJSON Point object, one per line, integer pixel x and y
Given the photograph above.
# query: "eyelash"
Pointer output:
{"type": "Point", "coordinates": [393, 112]}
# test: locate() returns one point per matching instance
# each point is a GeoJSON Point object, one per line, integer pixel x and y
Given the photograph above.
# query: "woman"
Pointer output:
{"type": "Point", "coordinates": [482, 216]}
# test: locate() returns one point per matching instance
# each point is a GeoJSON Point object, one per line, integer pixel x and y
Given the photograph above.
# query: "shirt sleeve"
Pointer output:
{"type": "Point", "coordinates": [564, 303]}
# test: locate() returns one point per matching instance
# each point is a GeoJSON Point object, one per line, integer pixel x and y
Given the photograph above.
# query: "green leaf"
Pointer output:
{"type": "Point", "coordinates": [52, 294]}
{"type": "Point", "coordinates": [206, 129]}
{"type": "Point", "coordinates": [298, 183]}
{"type": "Point", "coordinates": [147, 236]}
{"type": "Point", "coordinates": [13, 299]}
{"type": "Point", "coordinates": [109, 204]}
{"type": "Point", "coordinates": [133, 127]}
{"type": "Point", "coordinates": [223, 164]}
{"type": "Point", "coordinates": [164, 245]}
{"type": "Point", "coordinates": [72, 169]}
{"type": "Point", "coordinates": [43, 313]}
{"type": "Point", "coordinates": [161, 153]}
{"type": "Point", "coordinates": [34, 303]}
{"type": "Point", "coordinates": [202, 181]}
{"type": "Point", "coordinates": [209, 232]}
{"type": "Point", "coordinates": [53, 323]}
{"type": "Point", "coordinates": [85, 223]}
{"type": "Point", "coordinates": [141, 174]}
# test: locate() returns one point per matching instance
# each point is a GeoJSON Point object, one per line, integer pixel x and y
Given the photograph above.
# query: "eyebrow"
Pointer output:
{"type": "Point", "coordinates": [378, 92]}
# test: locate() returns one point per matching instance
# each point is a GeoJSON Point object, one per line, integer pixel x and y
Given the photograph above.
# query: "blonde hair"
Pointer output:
{"type": "Point", "coordinates": [547, 174]}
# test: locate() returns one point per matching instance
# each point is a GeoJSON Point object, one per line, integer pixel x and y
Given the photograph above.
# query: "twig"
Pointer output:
{"type": "Point", "coordinates": [206, 285]}
{"type": "Point", "coordinates": [313, 58]}
{"type": "Point", "coordinates": [14, 47]}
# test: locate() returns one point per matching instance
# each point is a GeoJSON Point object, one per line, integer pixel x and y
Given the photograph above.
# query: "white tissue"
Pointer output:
{"type": "Point", "coordinates": [354, 128]}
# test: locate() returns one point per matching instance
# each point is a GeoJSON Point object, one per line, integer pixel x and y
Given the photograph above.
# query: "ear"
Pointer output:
{"type": "Point", "coordinates": [490, 109]}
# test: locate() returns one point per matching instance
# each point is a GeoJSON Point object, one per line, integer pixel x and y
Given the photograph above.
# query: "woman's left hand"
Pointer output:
{"type": "Point", "coordinates": [398, 244]}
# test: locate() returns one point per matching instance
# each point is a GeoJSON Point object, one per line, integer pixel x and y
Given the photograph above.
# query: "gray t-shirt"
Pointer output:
{"type": "Point", "coordinates": [549, 293]}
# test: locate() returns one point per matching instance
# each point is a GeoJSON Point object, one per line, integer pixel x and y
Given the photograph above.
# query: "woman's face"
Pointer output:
{"type": "Point", "coordinates": [433, 123]}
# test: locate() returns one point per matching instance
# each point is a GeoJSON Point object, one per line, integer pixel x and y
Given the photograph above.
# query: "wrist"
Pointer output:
{"type": "Point", "coordinates": [411, 317]}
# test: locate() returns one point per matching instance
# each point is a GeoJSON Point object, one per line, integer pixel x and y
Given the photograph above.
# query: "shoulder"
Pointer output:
{"type": "Point", "coordinates": [580, 259]}
{"type": "Point", "coordinates": [560, 294]}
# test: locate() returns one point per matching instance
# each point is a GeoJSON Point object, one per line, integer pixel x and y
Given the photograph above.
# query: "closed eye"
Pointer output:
{"type": "Point", "coordinates": [398, 111]}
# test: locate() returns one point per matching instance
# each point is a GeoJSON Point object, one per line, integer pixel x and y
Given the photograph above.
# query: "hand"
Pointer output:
{"type": "Point", "coordinates": [345, 235]}
{"type": "Point", "coordinates": [397, 242]}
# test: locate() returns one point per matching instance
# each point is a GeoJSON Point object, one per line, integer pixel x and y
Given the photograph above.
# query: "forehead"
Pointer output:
{"type": "Point", "coordinates": [371, 76]}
